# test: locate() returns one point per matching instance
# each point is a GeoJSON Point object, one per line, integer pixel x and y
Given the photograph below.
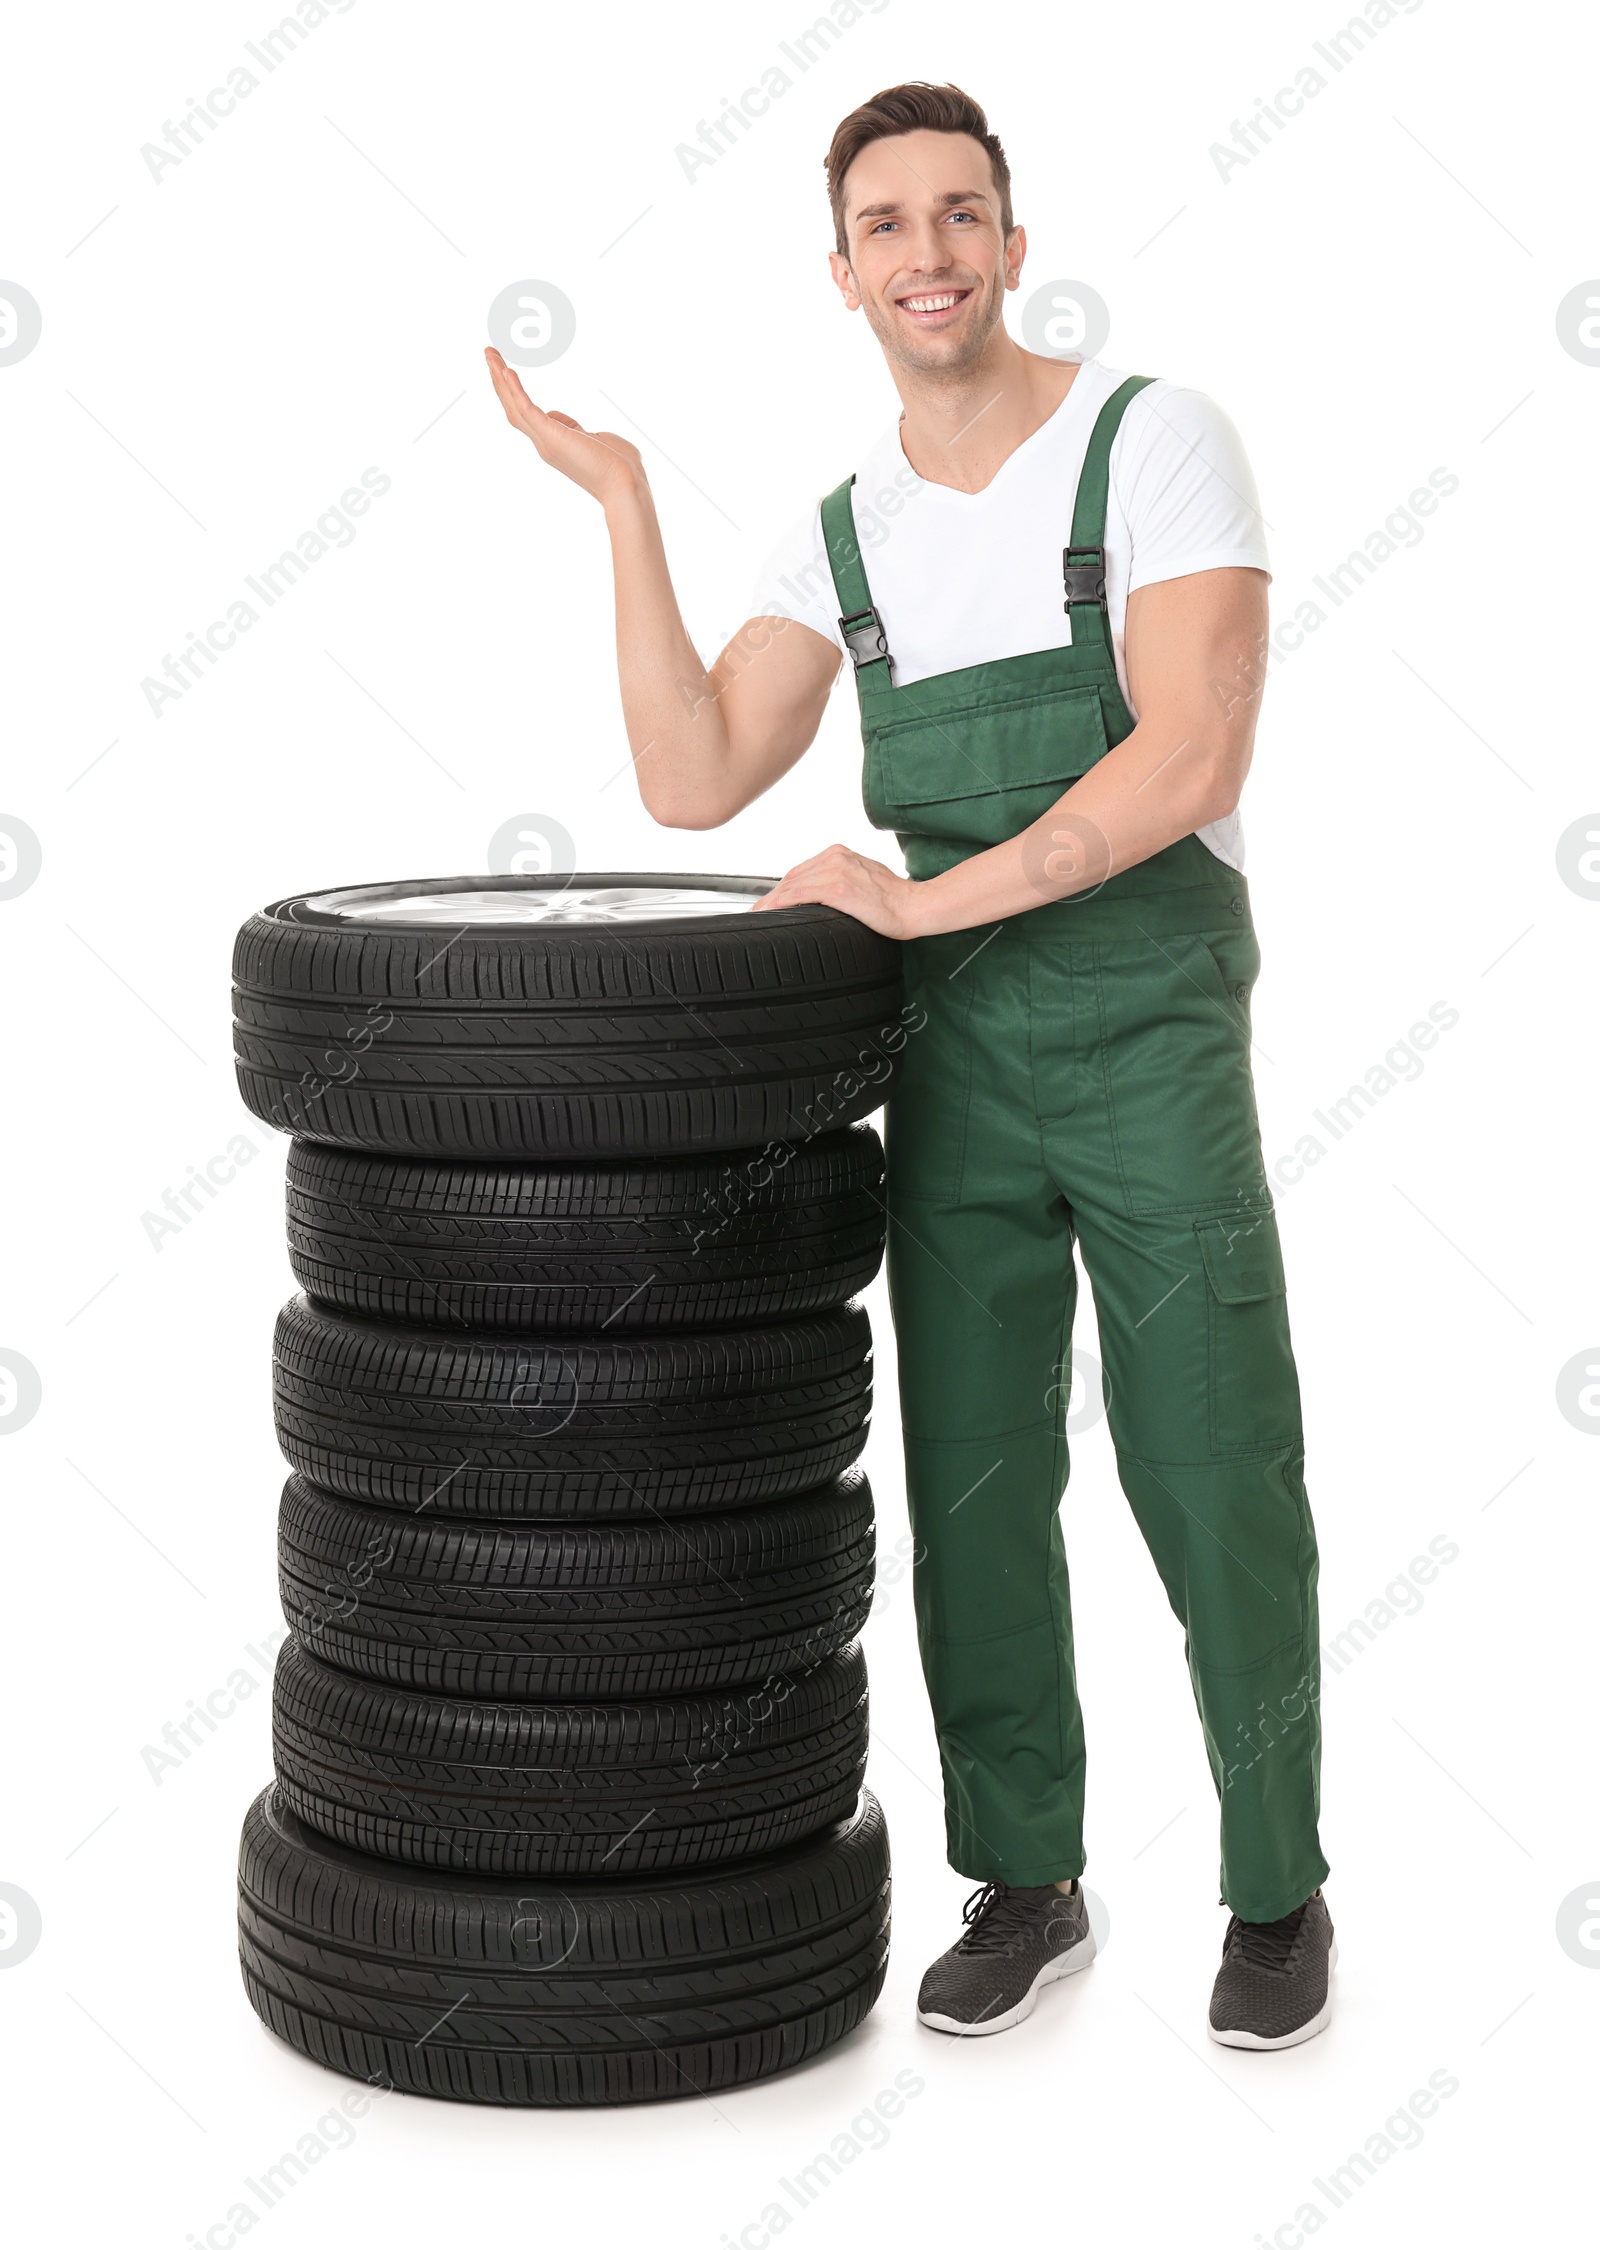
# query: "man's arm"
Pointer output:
{"type": "Point", "coordinates": [1195, 652]}
{"type": "Point", "coordinates": [705, 743]}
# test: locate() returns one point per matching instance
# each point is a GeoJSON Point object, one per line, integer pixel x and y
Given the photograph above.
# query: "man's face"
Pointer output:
{"type": "Point", "coordinates": [926, 260]}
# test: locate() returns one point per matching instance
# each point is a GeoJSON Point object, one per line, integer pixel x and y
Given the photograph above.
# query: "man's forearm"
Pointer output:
{"type": "Point", "coordinates": [669, 700]}
{"type": "Point", "coordinates": [1140, 797]}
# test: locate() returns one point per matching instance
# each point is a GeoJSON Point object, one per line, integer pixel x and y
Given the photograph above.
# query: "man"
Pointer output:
{"type": "Point", "coordinates": [1058, 649]}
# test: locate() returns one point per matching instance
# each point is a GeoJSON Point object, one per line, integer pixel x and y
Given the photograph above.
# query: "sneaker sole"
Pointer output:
{"type": "Point", "coordinates": [1064, 1965]}
{"type": "Point", "coordinates": [1307, 2030]}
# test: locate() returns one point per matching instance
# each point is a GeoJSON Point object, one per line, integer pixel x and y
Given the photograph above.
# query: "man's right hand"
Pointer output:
{"type": "Point", "coordinates": [705, 743]}
{"type": "Point", "coordinates": [603, 463]}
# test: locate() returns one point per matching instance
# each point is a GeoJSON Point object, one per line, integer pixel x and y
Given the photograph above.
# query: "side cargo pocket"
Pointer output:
{"type": "Point", "coordinates": [1254, 1392]}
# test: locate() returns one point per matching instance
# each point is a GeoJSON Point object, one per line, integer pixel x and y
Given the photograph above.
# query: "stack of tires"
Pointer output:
{"type": "Point", "coordinates": [571, 1724]}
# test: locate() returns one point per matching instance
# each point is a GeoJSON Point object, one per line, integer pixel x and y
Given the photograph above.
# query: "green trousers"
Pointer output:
{"type": "Point", "coordinates": [1062, 1088]}
{"type": "Point", "coordinates": [1081, 1074]}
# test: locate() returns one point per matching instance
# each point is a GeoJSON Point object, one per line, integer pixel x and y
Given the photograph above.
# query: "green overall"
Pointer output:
{"type": "Point", "coordinates": [1081, 1072]}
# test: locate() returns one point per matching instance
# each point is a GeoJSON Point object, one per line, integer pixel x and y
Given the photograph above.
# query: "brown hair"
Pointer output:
{"type": "Point", "coordinates": [912, 108]}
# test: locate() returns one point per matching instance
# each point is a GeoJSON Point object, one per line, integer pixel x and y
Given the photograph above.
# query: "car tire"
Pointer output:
{"type": "Point", "coordinates": [589, 1425]}
{"type": "Point", "coordinates": [520, 1610]}
{"type": "Point", "coordinates": [513, 1992]}
{"type": "Point", "coordinates": [412, 1019]}
{"type": "Point", "coordinates": [674, 1242]}
{"type": "Point", "coordinates": [646, 1785]}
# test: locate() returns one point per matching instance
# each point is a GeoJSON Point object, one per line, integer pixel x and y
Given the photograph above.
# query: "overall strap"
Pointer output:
{"type": "Point", "coordinates": [859, 622]}
{"type": "Point", "coordinates": [1083, 564]}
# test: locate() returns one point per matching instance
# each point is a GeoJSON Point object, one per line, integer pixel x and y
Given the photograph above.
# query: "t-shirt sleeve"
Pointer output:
{"type": "Point", "coordinates": [1185, 488]}
{"type": "Point", "coordinates": [795, 581]}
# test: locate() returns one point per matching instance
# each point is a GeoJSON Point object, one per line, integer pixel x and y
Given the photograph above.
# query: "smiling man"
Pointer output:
{"type": "Point", "coordinates": [1058, 645]}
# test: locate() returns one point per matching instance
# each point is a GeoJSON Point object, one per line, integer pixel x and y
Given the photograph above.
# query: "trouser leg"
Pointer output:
{"type": "Point", "coordinates": [1204, 1399]}
{"type": "Point", "coordinates": [981, 1284]}
{"type": "Point", "coordinates": [1204, 1414]}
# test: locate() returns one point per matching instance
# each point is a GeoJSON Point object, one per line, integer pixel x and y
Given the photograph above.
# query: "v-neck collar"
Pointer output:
{"type": "Point", "coordinates": [1053, 422]}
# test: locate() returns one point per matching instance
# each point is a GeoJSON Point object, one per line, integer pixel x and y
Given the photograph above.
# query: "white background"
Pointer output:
{"type": "Point", "coordinates": [1371, 297]}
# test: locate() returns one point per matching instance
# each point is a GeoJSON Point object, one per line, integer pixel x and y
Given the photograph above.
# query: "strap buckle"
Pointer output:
{"type": "Point", "coordinates": [1085, 582]}
{"type": "Point", "coordinates": [865, 638]}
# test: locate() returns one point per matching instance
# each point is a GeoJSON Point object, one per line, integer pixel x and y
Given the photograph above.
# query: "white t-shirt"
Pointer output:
{"type": "Point", "coordinates": [963, 578]}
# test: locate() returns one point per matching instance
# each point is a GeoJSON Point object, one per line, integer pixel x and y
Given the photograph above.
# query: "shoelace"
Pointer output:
{"type": "Point", "coordinates": [995, 1919]}
{"type": "Point", "coordinates": [1265, 1945]}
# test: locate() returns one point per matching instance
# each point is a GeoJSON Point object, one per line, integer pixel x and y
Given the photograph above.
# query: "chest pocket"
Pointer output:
{"type": "Point", "coordinates": [984, 771]}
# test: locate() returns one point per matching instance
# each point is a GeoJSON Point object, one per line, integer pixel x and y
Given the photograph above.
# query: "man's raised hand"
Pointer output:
{"type": "Point", "coordinates": [605, 465]}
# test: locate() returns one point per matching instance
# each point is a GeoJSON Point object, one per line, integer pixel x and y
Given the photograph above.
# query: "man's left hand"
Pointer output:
{"type": "Point", "coordinates": [864, 888]}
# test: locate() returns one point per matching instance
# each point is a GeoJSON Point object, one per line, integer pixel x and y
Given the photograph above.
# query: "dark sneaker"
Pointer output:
{"type": "Point", "coordinates": [1272, 1987]}
{"type": "Point", "coordinates": [1016, 1940]}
